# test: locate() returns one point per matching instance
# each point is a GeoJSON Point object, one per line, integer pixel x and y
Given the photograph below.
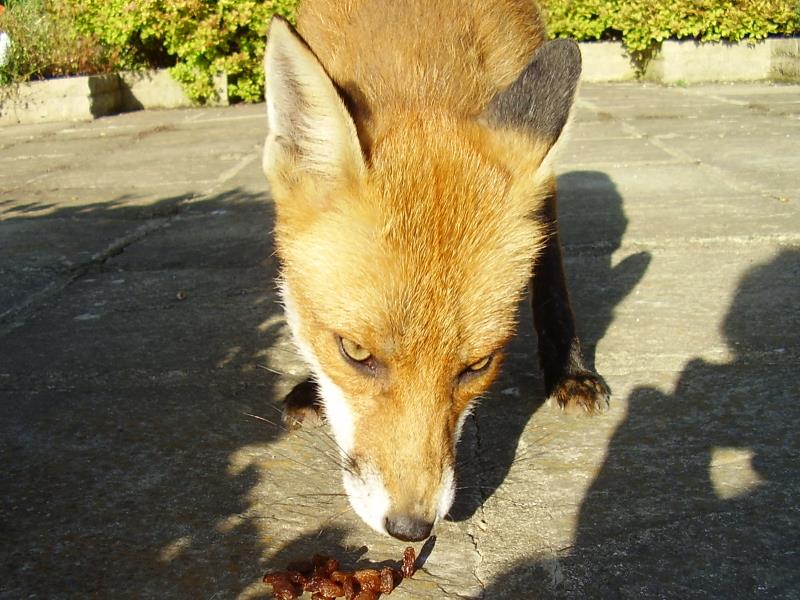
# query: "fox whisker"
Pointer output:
{"type": "Point", "coordinates": [339, 461]}
{"type": "Point", "coordinates": [343, 461]}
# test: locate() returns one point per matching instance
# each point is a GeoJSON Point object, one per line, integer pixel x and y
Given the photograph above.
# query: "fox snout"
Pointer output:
{"type": "Point", "coordinates": [407, 506]}
{"type": "Point", "coordinates": [408, 527]}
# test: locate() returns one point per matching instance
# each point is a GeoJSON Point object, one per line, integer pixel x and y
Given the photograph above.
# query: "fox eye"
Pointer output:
{"type": "Point", "coordinates": [481, 364]}
{"type": "Point", "coordinates": [353, 351]}
{"type": "Point", "coordinates": [476, 368]}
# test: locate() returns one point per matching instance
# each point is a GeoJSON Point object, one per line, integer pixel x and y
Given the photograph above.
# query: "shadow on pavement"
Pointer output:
{"type": "Point", "coordinates": [124, 398]}
{"type": "Point", "coordinates": [698, 495]}
{"type": "Point", "coordinates": [124, 406]}
{"type": "Point", "coordinates": [593, 223]}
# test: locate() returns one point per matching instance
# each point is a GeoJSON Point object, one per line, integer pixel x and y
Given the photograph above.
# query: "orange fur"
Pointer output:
{"type": "Point", "coordinates": [392, 56]}
{"type": "Point", "coordinates": [422, 255]}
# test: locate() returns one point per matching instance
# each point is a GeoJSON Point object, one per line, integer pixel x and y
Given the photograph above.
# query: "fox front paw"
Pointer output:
{"type": "Point", "coordinates": [302, 405]}
{"type": "Point", "coordinates": [582, 393]}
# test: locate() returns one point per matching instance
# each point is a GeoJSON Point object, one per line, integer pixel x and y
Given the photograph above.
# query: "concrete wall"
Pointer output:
{"type": "Point", "coordinates": [67, 99]}
{"type": "Point", "coordinates": [785, 59]}
{"type": "Point", "coordinates": [82, 98]}
{"type": "Point", "coordinates": [693, 62]}
{"type": "Point", "coordinates": [606, 61]}
{"type": "Point", "coordinates": [88, 97]}
{"type": "Point", "coordinates": [157, 89]}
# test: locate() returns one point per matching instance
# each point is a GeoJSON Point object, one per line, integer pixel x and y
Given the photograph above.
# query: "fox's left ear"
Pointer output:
{"type": "Point", "coordinates": [540, 100]}
{"type": "Point", "coordinates": [310, 131]}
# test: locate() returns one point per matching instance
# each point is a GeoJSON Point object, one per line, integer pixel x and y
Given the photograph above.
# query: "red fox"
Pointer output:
{"type": "Point", "coordinates": [409, 157]}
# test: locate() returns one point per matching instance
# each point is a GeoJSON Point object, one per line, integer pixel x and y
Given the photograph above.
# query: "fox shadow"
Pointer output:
{"type": "Point", "coordinates": [697, 496]}
{"type": "Point", "coordinates": [592, 223]}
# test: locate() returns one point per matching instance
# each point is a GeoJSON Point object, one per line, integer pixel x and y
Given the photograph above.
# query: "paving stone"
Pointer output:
{"type": "Point", "coordinates": [144, 355]}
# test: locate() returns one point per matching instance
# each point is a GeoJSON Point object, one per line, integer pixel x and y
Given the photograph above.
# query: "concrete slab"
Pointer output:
{"type": "Point", "coordinates": [140, 331]}
{"type": "Point", "coordinates": [85, 98]}
{"type": "Point", "coordinates": [63, 99]}
{"type": "Point", "coordinates": [606, 61]}
{"type": "Point", "coordinates": [690, 62]}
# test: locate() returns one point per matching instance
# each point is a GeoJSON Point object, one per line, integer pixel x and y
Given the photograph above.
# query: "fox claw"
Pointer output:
{"type": "Point", "coordinates": [581, 393]}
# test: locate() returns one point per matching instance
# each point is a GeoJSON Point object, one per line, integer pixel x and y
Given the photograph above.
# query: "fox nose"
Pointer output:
{"type": "Point", "coordinates": [408, 528]}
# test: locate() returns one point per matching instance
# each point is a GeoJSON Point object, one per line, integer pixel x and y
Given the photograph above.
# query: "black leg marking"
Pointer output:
{"type": "Point", "coordinates": [567, 380]}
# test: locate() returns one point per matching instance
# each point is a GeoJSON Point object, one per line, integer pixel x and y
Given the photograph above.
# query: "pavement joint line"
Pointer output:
{"type": "Point", "coordinates": [71, 130]}
{"type": "Point", "coordinates": [117, 246]}
{"type": "Point", "coordinates": [627, 163]}
{"type": "Point", "coordinates": [35, 157]}
{"type": "Point", "coordinates": [596, 138]}
{"type": "Point", "coordinates": [27, 182]}
{"type": "Point", "coordinates": [778, 239]}
{"type": "Point", "coordinates": [588, 104]}
{"type": "Point", "coordinates": [726, 178]}
{"type": "Point", "coordinates": [715, 97]}
{"type": "Point", "coordinates": [721, 175]}
{"type": "Point", "coordinates": [235, 169]}
{"type": "Point", "coordinates": [149, 185]}
{"type": "Point", "coordinates": [473, 533]}
{"type": "Point", "coordinates": [236, 118]}
{"type": "Point", "coordinates": [33, 302]}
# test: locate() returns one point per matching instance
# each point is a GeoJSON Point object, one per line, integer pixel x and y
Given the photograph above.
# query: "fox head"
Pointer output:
{"type": "Point", "coordinates": [403, 262]}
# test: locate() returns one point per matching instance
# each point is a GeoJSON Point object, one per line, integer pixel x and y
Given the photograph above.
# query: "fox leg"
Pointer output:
{"type": "Point", "coordinates": [566, 379]}
{"type": "Point", "coordinates": [302, 404]}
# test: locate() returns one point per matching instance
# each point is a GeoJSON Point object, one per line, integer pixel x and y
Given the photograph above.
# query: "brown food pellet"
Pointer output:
{"type": "Point", "coordinates": [284, 591]}
{"type": "Point", "coordinates": [349, 588]}
{"type": "Point", "coordinates": [331, 565]}
{"type": "Point", "coordinates": [409, 558]}
{"type": "Point", "coordinates": [273, 578]}
{"type": "Point", "coordinates": [321, 576]}
{"type": "Point", "coordinates": [282, 587]}
{"type": "Point", "coordinates": [296, 577]}
{"type": "Point", "coordinates": [387, 580]}
{"type": "Point", "coordinates": [341, 576]}
{"type": "Point", "coordinates": [324, 586]}
{"type": "Point", "coordinates": [369, 579]}
{"type": "Point", "coordinates": [347, 581]}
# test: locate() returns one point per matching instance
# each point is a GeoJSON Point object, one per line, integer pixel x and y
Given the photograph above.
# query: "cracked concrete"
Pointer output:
{"type": "Point", "coordinates": [143, 358]}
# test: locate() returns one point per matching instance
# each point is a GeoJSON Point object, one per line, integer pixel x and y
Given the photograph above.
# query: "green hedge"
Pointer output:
{"type": "Point", "coordinates": [202, 37]}
{"type": "Point", "coordinates": [44, 45]}
{"type": "Point", "coordinates": [197, 37]}
{"type": "Point", "coordinates": [642, 24]}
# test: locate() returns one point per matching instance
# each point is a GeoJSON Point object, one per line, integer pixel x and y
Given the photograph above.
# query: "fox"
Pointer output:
{"type": "Point", "coordinates": [409, 156]}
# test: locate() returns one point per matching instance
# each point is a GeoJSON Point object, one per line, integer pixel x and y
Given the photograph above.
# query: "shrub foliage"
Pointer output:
{"type": "Point", "coordinates": [199, 38]}
{"type": "Point", "coordinates": [45, 44]}
{"type": "Point", "coordinates": [643, 24]}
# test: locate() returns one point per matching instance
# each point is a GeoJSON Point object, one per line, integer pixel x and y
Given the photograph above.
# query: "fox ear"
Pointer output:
{"type": "Point", "coordinates": [540, 100]}
{"type": "Point", "coordinates": [310, 130]}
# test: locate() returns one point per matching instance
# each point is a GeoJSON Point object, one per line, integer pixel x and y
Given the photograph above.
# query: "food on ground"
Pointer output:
{"type": "Point", "coordinates": [325, 580]}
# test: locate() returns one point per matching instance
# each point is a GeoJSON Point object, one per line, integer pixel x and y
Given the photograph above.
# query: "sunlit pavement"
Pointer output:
{"type": "Point", "coordinates": [143, 358]}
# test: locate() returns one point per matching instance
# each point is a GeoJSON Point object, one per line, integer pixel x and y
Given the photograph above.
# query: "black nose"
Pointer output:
{"type": "Point", "coordinates": [407, 528]}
